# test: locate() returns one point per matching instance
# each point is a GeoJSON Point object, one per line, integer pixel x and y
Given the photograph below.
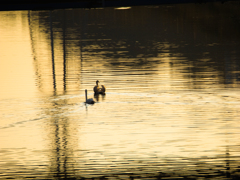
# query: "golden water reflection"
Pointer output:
{"type": "Point", "coordinates": [172, 102]}
{"type": "Point", "coordinates": [16, 56]}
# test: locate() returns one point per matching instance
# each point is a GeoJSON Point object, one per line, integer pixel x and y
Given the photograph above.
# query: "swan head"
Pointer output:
{"type": "Point", "coordinates": [97, 82]}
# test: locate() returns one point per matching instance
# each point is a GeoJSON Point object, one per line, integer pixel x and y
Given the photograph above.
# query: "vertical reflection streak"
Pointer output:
{"type": "Point", "coordinates": [52, 50]}
{"type": "Point", "coordinates": [31, 24]}
{"type": "Point", "coordinates": [228, 174]}
{"type": "Point", "coordinates": [64, 52]}
{"type": "Point", "coordinates": [65, 154]}
{"type": "Point", "coordinates": [62, 167]}
{"type": "Point", "coordinates": [82, 32]}
{"type": "Point", "coordinates": [81, 38]}
{"type": "Point", "coordinates": [57, 141]}
{"type": "Point", "coordinates": [31, 34]}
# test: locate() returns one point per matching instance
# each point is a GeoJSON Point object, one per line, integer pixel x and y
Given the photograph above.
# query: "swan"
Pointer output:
{"type": "Point", "coordinates": [99, 89]}
{"type": "Point", "coordinates": [88, 101]}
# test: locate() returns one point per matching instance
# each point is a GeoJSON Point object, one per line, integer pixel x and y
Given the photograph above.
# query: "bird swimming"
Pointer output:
{"type": "Point", "coordinates": [88, 101]}
{"type": "Point", "coordinates": [99, 89]}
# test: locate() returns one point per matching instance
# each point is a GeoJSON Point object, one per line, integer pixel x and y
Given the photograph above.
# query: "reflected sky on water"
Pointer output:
{"type": "Point", "coordinates": [171, 109]}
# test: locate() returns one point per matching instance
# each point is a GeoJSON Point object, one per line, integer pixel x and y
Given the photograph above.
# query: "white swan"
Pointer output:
{"type": "Point", "coordinates": [88, 101]}
{"type": "Point", "coordinates": [99, 89]}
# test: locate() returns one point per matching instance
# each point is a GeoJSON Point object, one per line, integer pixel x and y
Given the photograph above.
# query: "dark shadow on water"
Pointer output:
{"type": "Point", "coordinates": [205, 36]}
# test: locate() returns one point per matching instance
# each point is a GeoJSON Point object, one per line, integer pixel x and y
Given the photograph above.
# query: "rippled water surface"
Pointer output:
{"type": "Point", "coordinates": [172, 104]}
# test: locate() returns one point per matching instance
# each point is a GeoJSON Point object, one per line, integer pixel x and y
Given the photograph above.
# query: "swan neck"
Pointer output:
{"type": "Point", "coordinates": [86, 94]}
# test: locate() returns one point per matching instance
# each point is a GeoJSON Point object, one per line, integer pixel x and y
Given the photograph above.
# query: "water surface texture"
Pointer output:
{"type": "Point", "coordinates": [172, 104]}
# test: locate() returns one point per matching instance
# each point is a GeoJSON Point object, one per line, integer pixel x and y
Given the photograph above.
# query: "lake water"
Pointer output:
{"type": "Point", "coordinates": [172, 105]}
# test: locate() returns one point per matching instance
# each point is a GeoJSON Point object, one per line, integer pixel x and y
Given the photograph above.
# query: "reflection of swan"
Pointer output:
{"type": "Point", "coordinates": [96, 97]}
{"type": "Point", "coordinates": [99, 89]}
{"type": "Point", "coordinates": [88, 101]}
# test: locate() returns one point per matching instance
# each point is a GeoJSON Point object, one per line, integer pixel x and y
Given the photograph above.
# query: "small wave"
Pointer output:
{"type": "Point", "coordinates": [20, 122]}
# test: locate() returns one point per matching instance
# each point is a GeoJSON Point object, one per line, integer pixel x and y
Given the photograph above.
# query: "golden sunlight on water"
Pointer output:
{"type": "Point", "coordinates": [171, 108]}
{"type": "Point", "coordinates": [16, 56]}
